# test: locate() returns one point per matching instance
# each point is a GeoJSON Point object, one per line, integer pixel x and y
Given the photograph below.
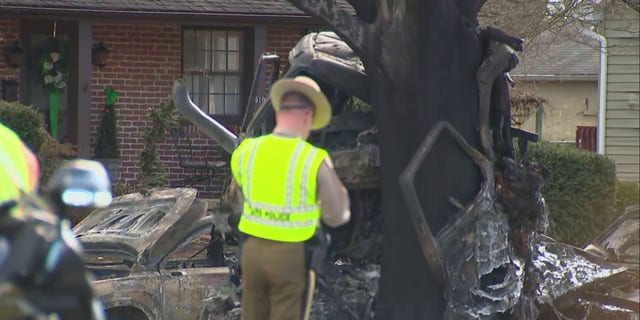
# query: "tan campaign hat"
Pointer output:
{"type": "Point", "coordinates": [309, 88]}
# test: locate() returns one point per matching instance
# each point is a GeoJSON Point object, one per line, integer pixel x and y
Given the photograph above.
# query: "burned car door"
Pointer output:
{"type": "Point", "coordinates": [620, 241]}
{"type": "Point", "coordinates": [135, 297]}
{"type": "Point", "coordinates": [193, 286]}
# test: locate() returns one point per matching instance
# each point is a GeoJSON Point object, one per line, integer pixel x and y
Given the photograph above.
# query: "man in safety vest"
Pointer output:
{"type": "Point", "coordinates": [288, 186]}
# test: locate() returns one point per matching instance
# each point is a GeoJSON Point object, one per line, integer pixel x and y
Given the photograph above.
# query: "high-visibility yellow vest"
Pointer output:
{"type": "Point", "coordinates": [18, 167]}
{"type": "Point", "coordinates": [277, 176]}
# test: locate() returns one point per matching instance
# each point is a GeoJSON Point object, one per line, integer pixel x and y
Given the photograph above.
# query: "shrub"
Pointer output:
{"type": "Point", "coordinates": [28, 124]}
{"type": "Point", "coordinates": [628, 194]}
{"type": "Point", "coordinates": [26, 121]}
{"type": "Point", "coordinates": [164, 118]}
{"type": "Point", "coordinates": [107, 145]}
{"type": "Point", "coordinates": [122, 187]}
{"type": "Point", "coordinates": [51, 155]}
{"type": "Point", "coordinates": [580, 191]}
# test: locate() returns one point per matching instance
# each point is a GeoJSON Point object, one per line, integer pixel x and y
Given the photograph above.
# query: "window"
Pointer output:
{"type": "Point", "coordinates": [213, 64]}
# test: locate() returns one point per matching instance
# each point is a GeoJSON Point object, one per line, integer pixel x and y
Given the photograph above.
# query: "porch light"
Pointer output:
{"type": "Point", "coordinates": [15, 55]}
{"type": "Point", "coordinates": [99, 55]}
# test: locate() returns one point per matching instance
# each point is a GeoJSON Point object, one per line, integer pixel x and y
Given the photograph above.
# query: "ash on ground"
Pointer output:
{"type": "Point", "coordinates": [348, 285]}
{"type": "Point", "coordinates": [345, 291]}
{"type": "Point", "coordinates": [353, 290]}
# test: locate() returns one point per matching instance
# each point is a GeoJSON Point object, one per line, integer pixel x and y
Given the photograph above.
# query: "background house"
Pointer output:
{"type": "Point", "coordinates": [214, 44]}
{"type": "Point", "coordinates": [563, 68]}
{"type": "Point", "coordinates": [591, 80]}
{"type": "Point", "coordinates": [620, 137]}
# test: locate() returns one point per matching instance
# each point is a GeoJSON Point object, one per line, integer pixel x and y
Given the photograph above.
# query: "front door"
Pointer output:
{"type": "Point", "coordinates": [60, 106]}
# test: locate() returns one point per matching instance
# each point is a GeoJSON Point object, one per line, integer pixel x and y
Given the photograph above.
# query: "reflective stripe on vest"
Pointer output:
{"type": "Point", "coordinates": [278, 180]}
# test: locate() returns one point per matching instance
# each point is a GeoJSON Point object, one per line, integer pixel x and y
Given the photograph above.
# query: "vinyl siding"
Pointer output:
{"type": "Point", "coordinates": [622, 135]}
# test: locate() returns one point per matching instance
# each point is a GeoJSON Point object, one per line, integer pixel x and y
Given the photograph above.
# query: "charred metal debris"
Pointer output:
{"type": "Point", "coordinates": [493, 259]}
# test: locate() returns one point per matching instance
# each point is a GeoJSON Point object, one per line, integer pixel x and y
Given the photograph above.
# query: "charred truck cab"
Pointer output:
{"type": "Point", "coordinates": [350, 137]}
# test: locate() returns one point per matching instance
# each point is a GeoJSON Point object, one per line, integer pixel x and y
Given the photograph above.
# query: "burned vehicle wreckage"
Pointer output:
{"type": "Point", "coordinates": [492, 257]}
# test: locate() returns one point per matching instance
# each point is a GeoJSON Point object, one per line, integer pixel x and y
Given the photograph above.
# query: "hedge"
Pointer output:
{"type": "Point", "coordinates": [51, 155]}
{"type": "Point", "coordinates": [580, 191]}
{"type": "Point", "coordinates": [628, 194]}
{"type": "Point", "coordinates": [29, 125]}
{"type": "Point", "coordinates": [27, 122]}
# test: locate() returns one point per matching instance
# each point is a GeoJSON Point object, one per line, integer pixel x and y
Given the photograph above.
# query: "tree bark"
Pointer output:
{"type": "Point", "coordinates": [421, 57]}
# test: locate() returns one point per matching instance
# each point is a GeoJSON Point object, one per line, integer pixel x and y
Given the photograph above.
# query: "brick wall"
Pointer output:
{"type": "Point", "coordinates": [280, 41]}
{"type": "Point", "coordinates": [9, 34]}
{"type": "Point", "coordinates": [144, 60]}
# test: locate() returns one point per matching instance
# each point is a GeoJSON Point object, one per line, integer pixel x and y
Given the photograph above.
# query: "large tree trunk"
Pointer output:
{"type": "Point", "coordinates": [421, 57]}
{"type": "Point", "coordinates": [431, 56]}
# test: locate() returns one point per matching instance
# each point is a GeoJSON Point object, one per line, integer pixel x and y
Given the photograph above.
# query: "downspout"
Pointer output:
{"type": "Point", "coordinates": [602, 88]}
{"type": "Point", "coordinates": [602, 85]}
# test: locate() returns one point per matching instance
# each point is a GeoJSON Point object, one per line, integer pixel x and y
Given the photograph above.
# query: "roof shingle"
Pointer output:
{"type": "Point", "coordinates": [563, 56]}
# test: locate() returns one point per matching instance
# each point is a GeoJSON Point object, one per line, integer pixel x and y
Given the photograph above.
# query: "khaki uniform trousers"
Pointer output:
{"type": "Point", "coordinates": [274, 280]}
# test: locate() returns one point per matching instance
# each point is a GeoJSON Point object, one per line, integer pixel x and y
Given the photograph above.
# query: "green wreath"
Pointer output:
{"type": "Point", "coordinates": [53, 66]}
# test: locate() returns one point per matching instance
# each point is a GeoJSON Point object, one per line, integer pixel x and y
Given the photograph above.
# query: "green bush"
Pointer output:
{"type": "Point", "coordinates": [26, 121]}
{"type": "Point", "coordinates": [28, 124]}
{"type": "Point", "coordinates": [123, 187]}
{"type": "Point", "coordinates": [51, 155]}
{"type": "Point", "coordinates": [628, 194]}
{"type": "Point", "coordinates": [107, 145]}
{"type": "Point", "coordinates": [580, 191]}
{"type": "Point", "coordinates": [164, 118]}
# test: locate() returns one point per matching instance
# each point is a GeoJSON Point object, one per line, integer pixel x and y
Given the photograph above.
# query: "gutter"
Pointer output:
{"type": "Point", "coordinates": [554, 77]}
{"type": "Point", "coordinates": [29, 9]}
{"type": "Point", "coordinates": [73, 12]}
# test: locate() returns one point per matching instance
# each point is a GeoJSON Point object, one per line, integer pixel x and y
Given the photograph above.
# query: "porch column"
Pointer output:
{"type": "Point", "coordinates": [260, 42]}
{"type": "Point", "coordinates": [85, 39]}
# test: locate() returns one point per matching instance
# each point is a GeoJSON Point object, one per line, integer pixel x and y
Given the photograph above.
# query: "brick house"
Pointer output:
{"type": "Point", "coordinates": [214, 44]}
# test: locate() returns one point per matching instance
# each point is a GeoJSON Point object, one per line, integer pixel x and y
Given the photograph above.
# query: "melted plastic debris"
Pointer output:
{"type": "Point", "coordinates": [560, 269]}
{"type": "Point", "coordinates": [615, 308]}
{"type": "Point", "coordinates": [356, 285]}
{"type": "Point", "coordinates": [492, 245]}
{"type": "Point", "coordinates": [235, 314]}
{"type": "Point", "coordinates": [485, 277]}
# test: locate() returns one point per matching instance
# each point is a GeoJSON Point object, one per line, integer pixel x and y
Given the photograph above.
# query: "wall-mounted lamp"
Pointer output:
{"type": "Point", "coordinates": [15, 55]}
{"type": "Point", "coordinates": [99, 55]}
